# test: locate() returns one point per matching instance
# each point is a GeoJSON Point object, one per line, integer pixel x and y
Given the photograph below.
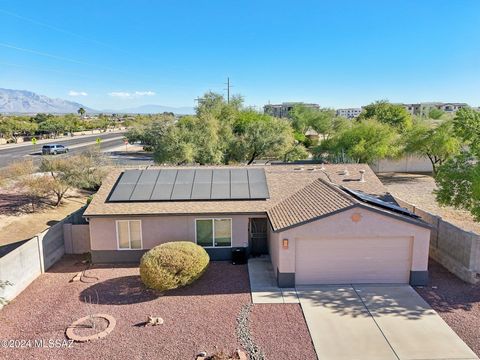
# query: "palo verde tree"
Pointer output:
{"type": "Point", "coordinates": [458, 179]}
{"type": "Point", "coordinates": [386, 113]}
{"type": "Point", "coordinates": [436, 142]}
{"type": "Point", "coordinates": [364, 141]}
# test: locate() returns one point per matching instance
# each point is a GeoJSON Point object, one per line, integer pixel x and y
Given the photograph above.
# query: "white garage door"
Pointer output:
{"type": "Point", "coordinates": [352, 261]}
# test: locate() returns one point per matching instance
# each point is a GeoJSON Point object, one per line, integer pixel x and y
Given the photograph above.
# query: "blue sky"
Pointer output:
{"type": "Point", "coordinates": [118, 54]}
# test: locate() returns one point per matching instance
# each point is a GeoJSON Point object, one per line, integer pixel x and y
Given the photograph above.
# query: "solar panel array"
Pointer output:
{"type": "Point", "coordinates": [190, 184]}
{"type": "Point", "coordinates": [375, 201]}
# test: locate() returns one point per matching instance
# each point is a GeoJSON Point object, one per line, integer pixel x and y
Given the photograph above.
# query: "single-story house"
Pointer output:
{"type": "Point", "coordinates": [324, 224]}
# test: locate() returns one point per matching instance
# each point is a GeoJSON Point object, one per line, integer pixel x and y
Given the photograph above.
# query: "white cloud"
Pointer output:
{"type": "Point", "coordinates": [77, 93]}
{"type": "Point", "coordinates": [128, 95]}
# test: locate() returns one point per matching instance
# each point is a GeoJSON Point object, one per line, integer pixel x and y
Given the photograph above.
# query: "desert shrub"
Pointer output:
{"type": "Point", "coordinates": [172, 265]}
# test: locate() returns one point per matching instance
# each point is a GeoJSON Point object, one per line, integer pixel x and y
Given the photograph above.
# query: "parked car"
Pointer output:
{"type": "Point", "coordinates": [53, 149]}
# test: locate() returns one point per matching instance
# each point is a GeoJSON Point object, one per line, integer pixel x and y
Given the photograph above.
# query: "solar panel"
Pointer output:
{"type": "Point", "coordinates": [202, 184]}
{"type": "Point", "coordinates": [164, 186]}
{"type": "Point", "coordinates": [221, 184]}
{"type": "Point", "coordinates": [239, 184]}
{"type": "Point", "coordinates": [190, 184]}
{"type": "Point", "coordinates": [145, 184]}
{"type": "Point", "coordinates": [125, 186]}
{"type": "Point", "coordinates": [258, 184]}
{"type": "Point", "coordinates": [375, 201]}
{"type": "Point", "coordinates": [182, 190]}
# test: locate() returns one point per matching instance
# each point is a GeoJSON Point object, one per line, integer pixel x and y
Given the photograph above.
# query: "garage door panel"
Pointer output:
{"type": "Point", "coordinates": [347, 261]}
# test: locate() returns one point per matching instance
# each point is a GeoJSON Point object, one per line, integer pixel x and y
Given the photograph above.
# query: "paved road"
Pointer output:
{"type": "Point", "coordinates": [75, 144]}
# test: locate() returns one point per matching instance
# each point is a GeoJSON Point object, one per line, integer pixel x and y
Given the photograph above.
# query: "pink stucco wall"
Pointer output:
{"type": "Point", "coordinates": [160, 229]}
{"type": "Point", "coordinates": [341, 225]}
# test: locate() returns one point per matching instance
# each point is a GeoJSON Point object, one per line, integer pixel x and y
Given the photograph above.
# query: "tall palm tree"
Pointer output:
{"type": "Point", "coordinates": [81, 111]}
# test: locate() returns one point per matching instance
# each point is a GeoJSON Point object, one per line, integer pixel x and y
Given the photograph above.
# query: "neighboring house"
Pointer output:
{"type": "Point", "coordinates": [349, 113]}
{"type": "Point", "coordinates": [318, 224]}
{"type": "Point", "coordinates": [283, 110]}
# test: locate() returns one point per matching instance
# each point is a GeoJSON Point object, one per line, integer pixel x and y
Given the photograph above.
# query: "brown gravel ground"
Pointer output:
{"type": "Point", "coordinates": [280, 332]}
{"type": "Point", "coordinates": [417, 189]}
{"type": "Point", "coordinates": [456, 301]}
{"type": "Point", "coordinates": [200, 317]}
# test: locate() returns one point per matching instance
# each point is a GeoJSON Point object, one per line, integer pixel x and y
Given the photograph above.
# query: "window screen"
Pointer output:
{"type": "Point", "coordinates": [129, 234]}
{"type": "Point", "coordinates": [123, 236]}
{"type": "Point", "coordinates": [223, 232]}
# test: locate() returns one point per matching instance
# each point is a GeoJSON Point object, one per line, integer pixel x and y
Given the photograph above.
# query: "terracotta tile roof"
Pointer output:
{"type": "Point", "coordinates": [313, 201]}
{"type": "Point", "coordinates": [283, 181]}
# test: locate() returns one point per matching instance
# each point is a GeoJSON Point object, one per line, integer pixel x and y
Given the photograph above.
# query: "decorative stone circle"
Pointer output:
{"type": "Point", "coordinates": [79, 338]}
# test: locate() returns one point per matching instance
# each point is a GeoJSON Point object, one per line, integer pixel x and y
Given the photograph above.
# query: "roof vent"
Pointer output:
{"type": "Point", "coordinates": [345, 172]}
{"type": "Point", "coordinates": [312, 169]}
{"type": "Point", "coordinates": [298, 169]}
{"type": "Point", "coordinates": [362, 175]}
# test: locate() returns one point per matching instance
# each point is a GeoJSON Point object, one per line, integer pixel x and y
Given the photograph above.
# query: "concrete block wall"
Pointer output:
{"type": "Point", "coordinates": [456, 249]}
{"type": "Point", "coordinates": [77, 238]}
{"type": "Point", "coordinates": [26, 262]}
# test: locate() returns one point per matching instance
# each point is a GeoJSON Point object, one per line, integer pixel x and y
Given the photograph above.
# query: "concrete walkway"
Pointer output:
{"type": "Point", "coordinates": [377, 322]}
{"type": "Point", "coordinates": [263, 284]}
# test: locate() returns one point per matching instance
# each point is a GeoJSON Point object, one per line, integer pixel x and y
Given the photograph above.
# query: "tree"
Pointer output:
{"type": "Point", "coordinates": [260, 135]}
{"type": "Point", "coordinates": [150, 133]}
{"type": "Point", "coordinates": [14, 127]}
{"type": "Point", "coordinates": [53, 126]}
{"type": "Point", "coordinates": [80, 171]}
{"type": "Point", "coordinates": [81, 111]}
{"type": "Point", "coordinates": [437, 142]}
{"type": "Point", "coordinates": [387, 113]}
{"type": "Point", "coordinates": [435, 113]}
{"type": "Point", "coordinates": [364, 141]}
{"type": "Point", "coordinates": [28, 182]}
{"type": "Point", "coordinates": [458, 179]}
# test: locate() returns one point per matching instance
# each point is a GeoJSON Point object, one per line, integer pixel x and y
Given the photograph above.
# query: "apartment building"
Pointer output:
{"type": "Point", "coordinates": [283, 110]}
{"type": "Point", "coordinates": [349, 113]}
{"type": "Point", "coordinates": [422, 108]}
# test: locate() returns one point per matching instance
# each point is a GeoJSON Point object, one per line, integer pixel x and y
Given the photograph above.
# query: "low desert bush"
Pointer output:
{"type": "Point", "coordinates": [172, 265]}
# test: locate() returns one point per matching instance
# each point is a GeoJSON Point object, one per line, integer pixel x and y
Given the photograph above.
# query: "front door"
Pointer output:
{"type": "Point", "coordinates": [258, 236]}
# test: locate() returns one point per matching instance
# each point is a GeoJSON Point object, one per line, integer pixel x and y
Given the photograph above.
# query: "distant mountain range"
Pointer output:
{"type": "Point", "coordinates": [28, 102]}
{"type": "Point", "coordinates": [23, 101]}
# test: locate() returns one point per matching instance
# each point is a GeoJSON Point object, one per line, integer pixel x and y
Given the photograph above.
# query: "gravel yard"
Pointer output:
{"type": "Point", "coordinates": [417, 189]}
{"type": "Point", "coordinates": [456, 301]}
{"type": "Point", "coordinates": [199, 317]}
{"type": "Point", "coordinates": [280, 331]}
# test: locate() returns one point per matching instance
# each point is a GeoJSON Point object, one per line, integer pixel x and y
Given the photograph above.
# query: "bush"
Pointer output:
{"type": "Point", "coordinates": [172, 265]}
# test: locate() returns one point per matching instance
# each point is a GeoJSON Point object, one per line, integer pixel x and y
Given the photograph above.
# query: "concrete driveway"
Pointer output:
{"type": "Point", "coordinates": [377, 322]}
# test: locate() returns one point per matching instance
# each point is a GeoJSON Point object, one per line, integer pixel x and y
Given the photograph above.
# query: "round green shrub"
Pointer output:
{"type": "Point", "coordinates": [172, 265]}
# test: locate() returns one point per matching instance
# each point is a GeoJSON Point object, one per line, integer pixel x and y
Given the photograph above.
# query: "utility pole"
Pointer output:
{"type": "Point", "coordinates": [228, 90]}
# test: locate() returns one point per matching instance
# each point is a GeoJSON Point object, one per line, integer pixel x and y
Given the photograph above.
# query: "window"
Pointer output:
{"type": "Point", "coordinates": [213, 232]}
{"type": "Point", "coordinates": [129, 234]}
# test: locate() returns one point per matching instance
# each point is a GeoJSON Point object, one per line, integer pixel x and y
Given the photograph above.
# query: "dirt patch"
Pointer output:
{"type": "Point", "coordinates": [456, 301]}
{"type": "Point", "coordinates": [281, 332]}
{"type": "Point", "coordinates": [417, 189]}
{"type": "Point", "coordinates": [18, 223]}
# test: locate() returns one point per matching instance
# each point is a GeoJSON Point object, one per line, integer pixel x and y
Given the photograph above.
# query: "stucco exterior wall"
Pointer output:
{"type": "Point", "coordinates": [273, 247]}
{"type": "Point", "coordinates": [160, 229]}
{"type": "Point", "coordinates": [342, 226]}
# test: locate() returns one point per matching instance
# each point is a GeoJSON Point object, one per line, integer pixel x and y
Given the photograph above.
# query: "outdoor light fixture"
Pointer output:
{"type": "Point", "coordinates": [285, 243]}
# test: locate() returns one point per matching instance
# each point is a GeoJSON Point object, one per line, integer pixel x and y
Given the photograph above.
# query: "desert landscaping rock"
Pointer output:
{"type": "Point", "coordinates": [70, 333]}
{"type": "Point", "coordinates": [456, 301]}
{"type": "Point", "coordinates": [244, 335]}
